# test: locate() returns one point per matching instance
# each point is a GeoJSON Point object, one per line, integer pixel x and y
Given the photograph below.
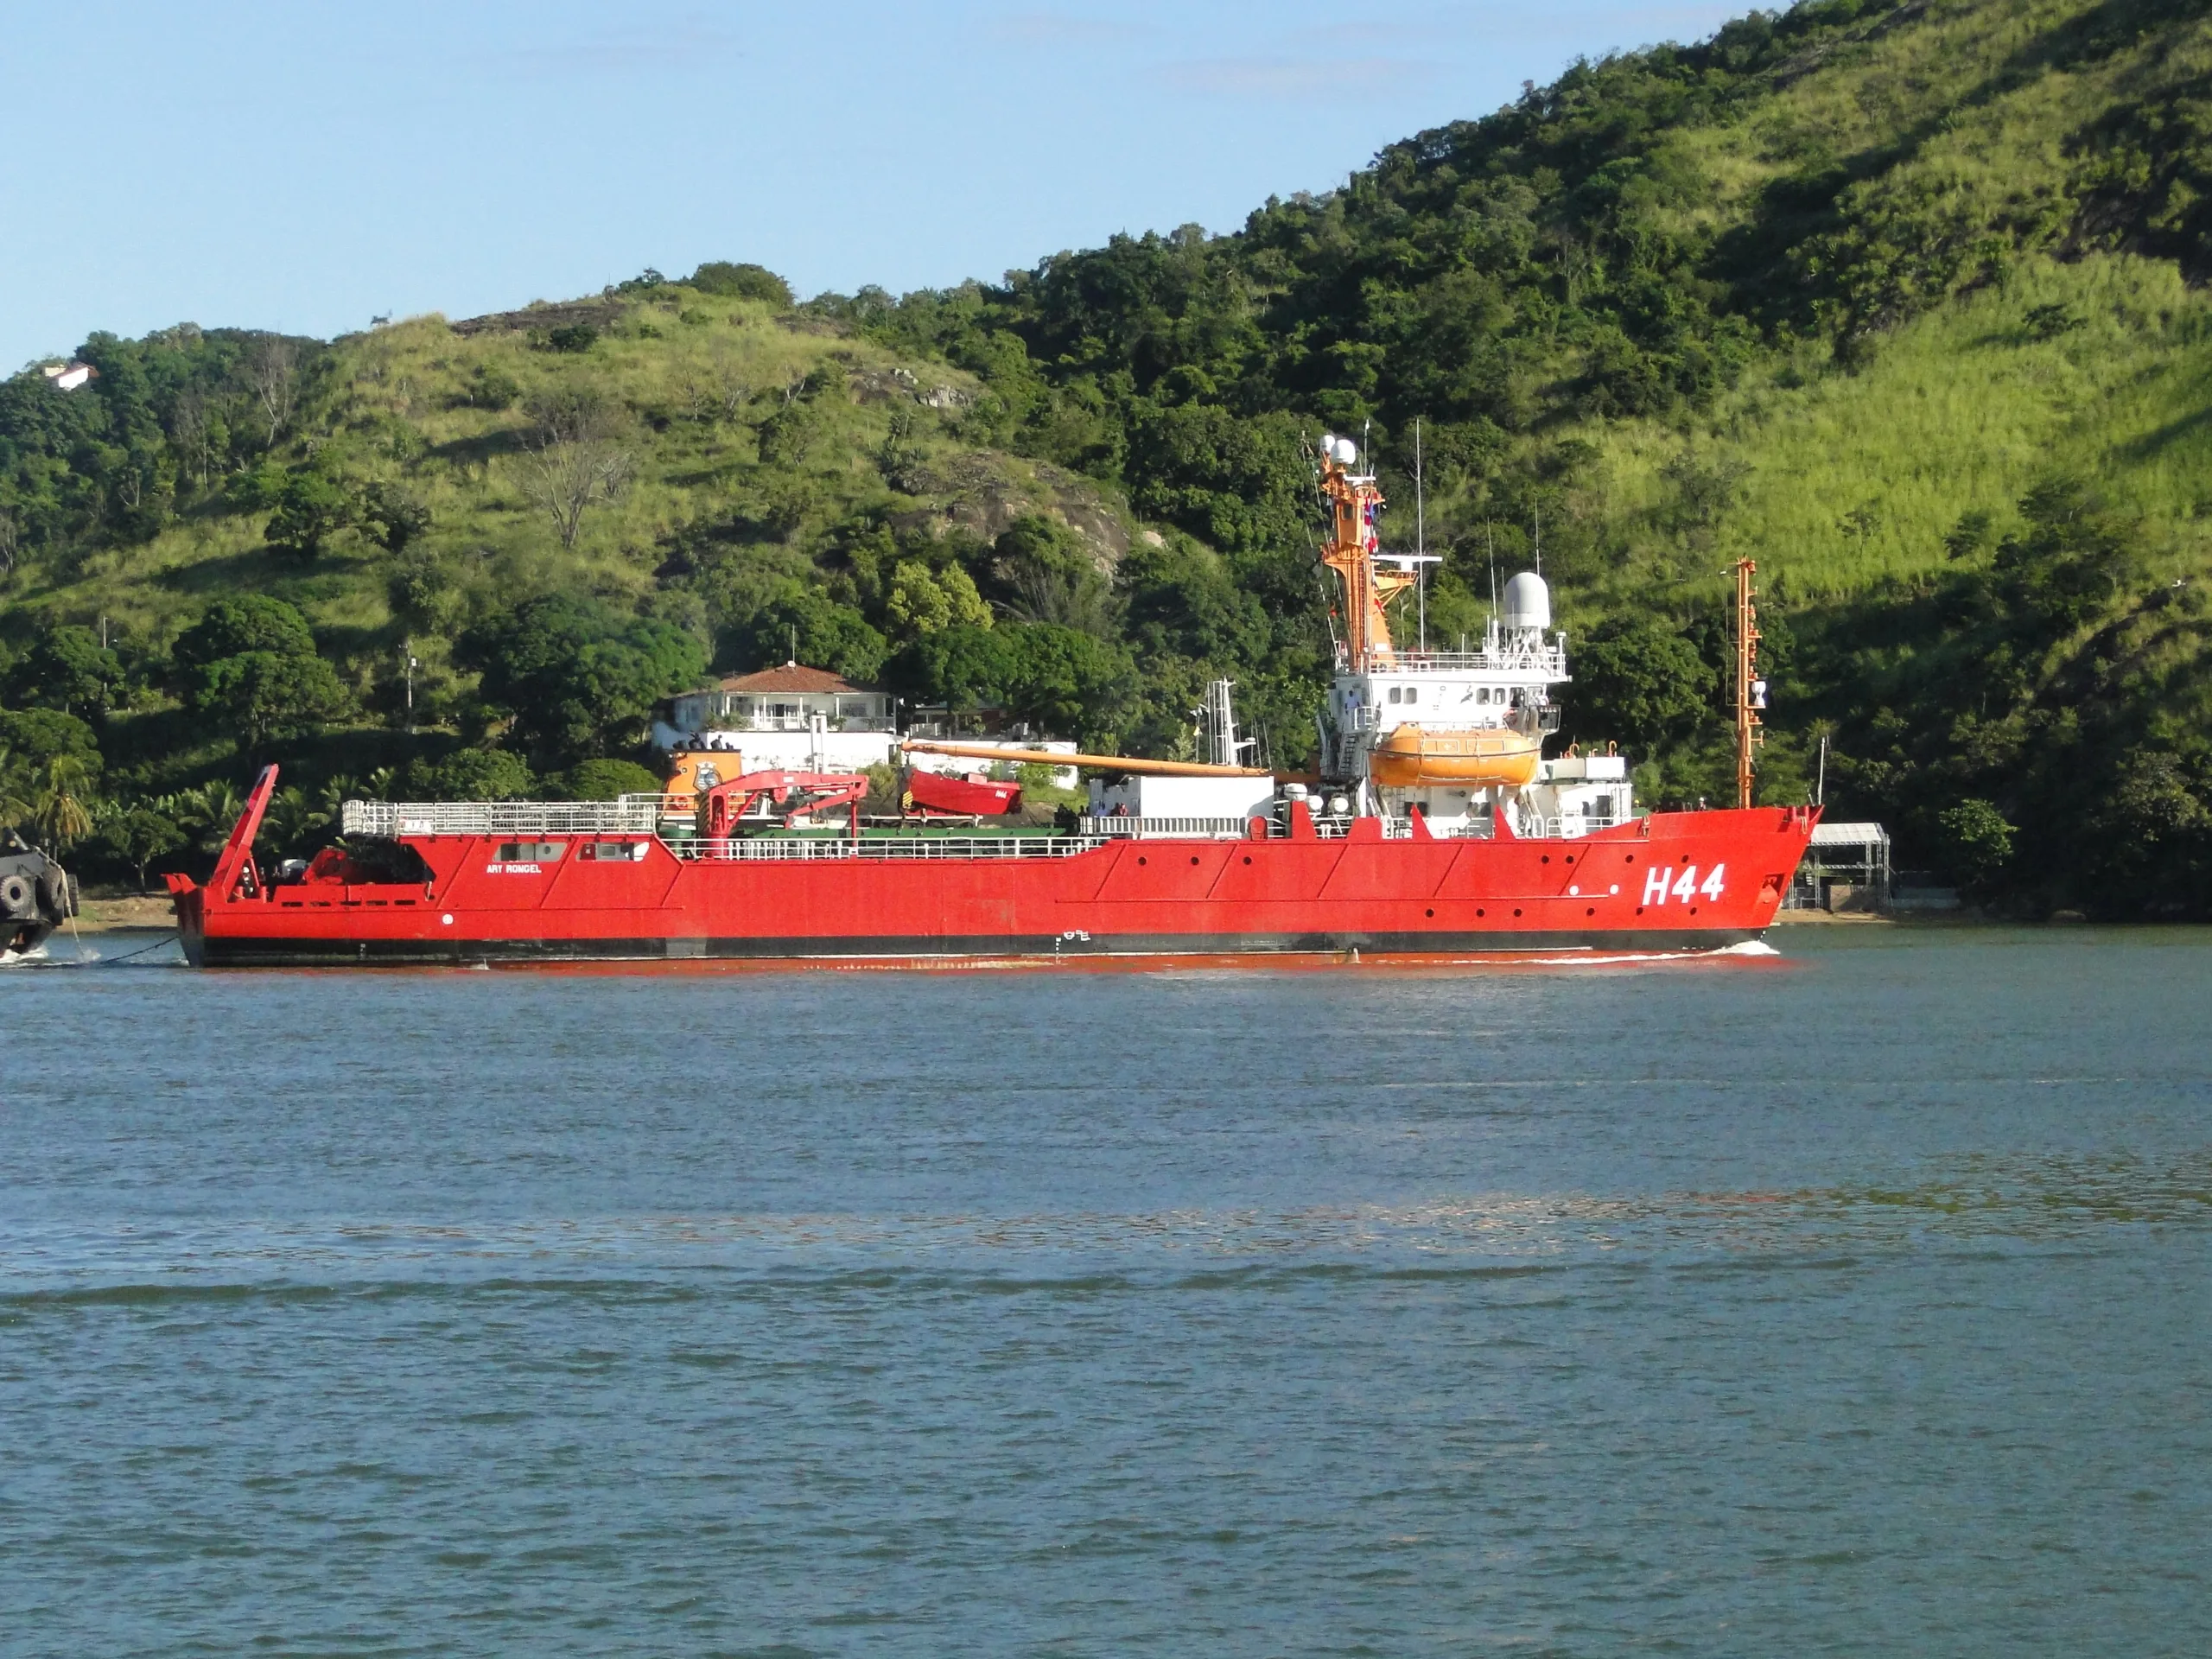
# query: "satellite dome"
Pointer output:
{"type": "Point", "coordinates": [1528, 602]}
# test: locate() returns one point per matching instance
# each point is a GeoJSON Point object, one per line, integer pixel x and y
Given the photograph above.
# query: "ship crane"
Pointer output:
{"type": "Point", "coordinates": [787, 796]}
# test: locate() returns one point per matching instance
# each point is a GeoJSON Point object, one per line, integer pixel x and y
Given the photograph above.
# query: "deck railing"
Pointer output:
{"type": "Point", "coordinates": [1154, 829]}
{"type": "Point", "coordinates": [899, 847]}
{"type": "Point", "coordinates": [633, 815]}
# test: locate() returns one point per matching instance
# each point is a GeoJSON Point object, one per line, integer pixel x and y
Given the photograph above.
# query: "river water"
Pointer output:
{"type": "Point", "coordinates": [1852, 1299]}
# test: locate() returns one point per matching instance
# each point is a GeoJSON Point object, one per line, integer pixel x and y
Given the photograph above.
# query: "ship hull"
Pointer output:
{"type": "Point", "coordinates": [1724, 874]}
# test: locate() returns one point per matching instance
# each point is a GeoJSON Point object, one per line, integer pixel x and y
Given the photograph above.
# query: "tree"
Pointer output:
{"type": "Point", "coordinates": [60, 810]}
{"type": "Point", "coordinates": [418, 587]}
{"type": "Point", "coordinates": [576, 678]}
{"type": "Point", "coordinates": [604, 780]}
{"type": "Point", "coordinates": [261, 695]}
{"type": "Point", "coordinates": [139, 835]}
{"type": "Point", "coordinates": [193, 433]}
{"type": "Point", "coordinates": [807, 625]}
{"type": "Point", "coordinates": [66, 668]}
{"type": "Point", "coordinates": [296, 823]}
{"type": "Point", "coordinates": [271, 372]}
{"type": "Point", "coordinates": [251, 662]}
{"type": "Point", "coordinates": [788, 435]}
{"type": "Point", "coordinates": [1182, 599]}
{"type": "Point", "coordinates": [1978, 841]}
{"type": "Point", "coordinates": [471, 775]}
{"type": "Point", "coordinates": [312, 508]}
{"type": "Point", "coordinates": [247, 622]}
{"type": "Point", "coordinates": [1066, 681]}
{"type": "Point", "coordinates": [1052, 577]}
{"type": "Point", "coordinates": [36, 736]}
{"type": "Point", "coordinates": [206, 813]}
{"type": "Point", "coordinates": [961, 667]}
{"type": "Point", "coordinates": [395, 517]}
{"type": "Point", "coordinates": [923, 602]}
{"type": "Point", "coordinates": [2074, 557]}
{"type": "Point", "coordinates": [576, 454]}
{"type": "Point", "coordinates": [1637, 683]}
{"type": "Point", "coordinates": [741, 282]}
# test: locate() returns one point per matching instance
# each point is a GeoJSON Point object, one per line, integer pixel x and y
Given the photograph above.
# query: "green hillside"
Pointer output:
{"type": "Point", "coordinates": [1897, 299]}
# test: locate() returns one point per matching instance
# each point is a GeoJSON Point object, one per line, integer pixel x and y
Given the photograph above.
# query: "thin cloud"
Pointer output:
{"type": "Point", "coordinates": [681, 43]}
{"type": "Point", "coordinates": [1050, 29]}
{"type": "Point", "coordinates": [1295, 78]}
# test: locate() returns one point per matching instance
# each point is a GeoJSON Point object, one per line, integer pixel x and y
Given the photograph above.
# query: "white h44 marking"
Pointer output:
{"type": "Point", "coordinates": [1659, 883]}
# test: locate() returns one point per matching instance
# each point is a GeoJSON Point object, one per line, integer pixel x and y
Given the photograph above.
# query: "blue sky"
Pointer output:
{"type": "Point", "coordinates": [305, 166]}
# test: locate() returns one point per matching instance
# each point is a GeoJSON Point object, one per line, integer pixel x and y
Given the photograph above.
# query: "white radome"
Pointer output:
{"type": "Point", "coordinates": [1528, 602]}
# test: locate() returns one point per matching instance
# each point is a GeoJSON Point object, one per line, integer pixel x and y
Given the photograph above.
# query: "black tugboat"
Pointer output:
{"type": "Point", "coordinates": [36, 896]}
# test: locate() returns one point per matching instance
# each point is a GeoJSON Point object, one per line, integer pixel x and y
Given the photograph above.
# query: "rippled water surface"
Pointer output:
{"type": "Point", "coordinates": [1854, 1301]}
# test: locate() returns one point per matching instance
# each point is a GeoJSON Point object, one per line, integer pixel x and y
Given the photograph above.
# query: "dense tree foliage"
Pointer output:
{"type": "Point", "coordinates": [575, 678]}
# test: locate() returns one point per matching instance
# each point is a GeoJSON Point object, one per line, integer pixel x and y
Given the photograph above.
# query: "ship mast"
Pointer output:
{"type": "Point", "coordinates": [1751, 690]}
{"type": "Point", "coordinates": [1354, 503]}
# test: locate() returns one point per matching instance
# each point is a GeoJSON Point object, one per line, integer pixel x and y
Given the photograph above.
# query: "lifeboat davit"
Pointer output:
{"type": "Point", "coordinates": [1413, 757]}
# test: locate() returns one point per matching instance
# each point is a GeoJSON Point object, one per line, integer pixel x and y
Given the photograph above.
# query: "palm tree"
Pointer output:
{"type": "Point", "coordinates": [294, 820]}
{"type": "Point", "coordinates": [209, 811]}
{"type": "Point", "coordinates": [14, 807]}
{"type": "Point", "coordinates": [58, 812]}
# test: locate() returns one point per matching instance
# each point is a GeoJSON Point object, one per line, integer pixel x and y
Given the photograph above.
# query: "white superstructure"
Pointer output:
{"type": "Point", "coordinates": [1457, 735]}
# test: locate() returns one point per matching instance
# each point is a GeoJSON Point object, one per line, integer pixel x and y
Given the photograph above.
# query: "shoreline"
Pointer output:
{"type": "Point", "coordinates": [130, 913]}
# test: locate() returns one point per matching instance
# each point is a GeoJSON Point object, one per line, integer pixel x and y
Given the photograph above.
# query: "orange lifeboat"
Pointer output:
{"type": "Point", "coordinates": [1412, 756]}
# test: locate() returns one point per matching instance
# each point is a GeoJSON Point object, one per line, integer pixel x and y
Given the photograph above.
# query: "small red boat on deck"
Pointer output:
{"type": "Point", "coordinates": [1434, 828]}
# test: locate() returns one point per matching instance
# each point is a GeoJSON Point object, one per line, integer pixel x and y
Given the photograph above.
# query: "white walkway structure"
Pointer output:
{"type": "Point", "coordinates": [806, 719]}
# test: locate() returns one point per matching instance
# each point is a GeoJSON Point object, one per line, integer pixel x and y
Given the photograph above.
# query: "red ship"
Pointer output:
{"type": "Point", "coordinates": [1435, 828]}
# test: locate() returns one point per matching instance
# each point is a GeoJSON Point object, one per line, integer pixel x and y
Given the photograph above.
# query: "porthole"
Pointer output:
{"type": "Point", "coordinates": [1516, 910]}
{"type": "Point", "coordinates": [1479, 911]}
{"type": "Point", "coordinates": [1142, 860]}
{"type": "Point", "coordinates": [1247, 858]}
{"type": "Point", "coordinates": [1546, 859]}
{"type": "Point", "coordinates": [1432, 912]}
{"type": "Point", "coordinates": [1194, 858]}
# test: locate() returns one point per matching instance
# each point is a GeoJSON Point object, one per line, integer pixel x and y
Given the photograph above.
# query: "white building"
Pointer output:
{"type": "Point", "coordinates": [67, 376]}
{"type": "Point", "coordinates": [803, 719]}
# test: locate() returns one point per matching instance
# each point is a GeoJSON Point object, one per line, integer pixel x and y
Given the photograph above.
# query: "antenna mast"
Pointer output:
{"type": "Point", "coordinates": [1751, 690]}
{"type": "Point", "coordinates": [1351, 552]}
{"type": "Point", "coordinates": [1421, 538]}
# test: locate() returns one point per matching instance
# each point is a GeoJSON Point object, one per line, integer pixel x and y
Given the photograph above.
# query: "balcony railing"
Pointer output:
{"type": "Point", "coordinates": [773, 723]}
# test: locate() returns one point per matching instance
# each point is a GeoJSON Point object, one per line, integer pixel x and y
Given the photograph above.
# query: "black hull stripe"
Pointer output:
{"type": "Point", "coordinates": [231, 952]}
